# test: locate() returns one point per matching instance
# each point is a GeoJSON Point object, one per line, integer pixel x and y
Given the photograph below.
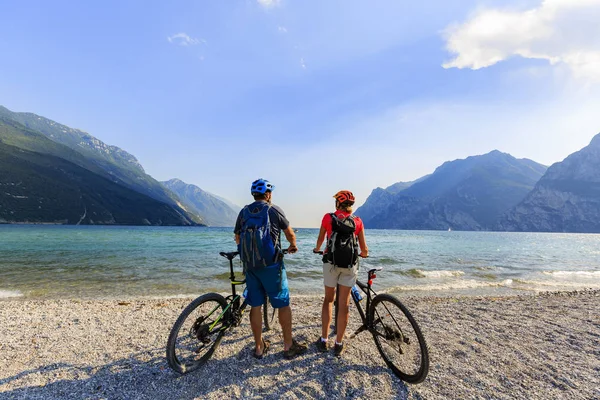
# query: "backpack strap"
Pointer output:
{"type": "Point", "coordinates": [277, 241]}
{"type": "Point", "coordinates": [338, 220]}
{"type": "Point", "coordinates": [278, 238]}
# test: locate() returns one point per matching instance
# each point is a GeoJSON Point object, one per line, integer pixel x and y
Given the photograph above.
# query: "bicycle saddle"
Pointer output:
{"type": "Point", "coordinates": [230, 256]}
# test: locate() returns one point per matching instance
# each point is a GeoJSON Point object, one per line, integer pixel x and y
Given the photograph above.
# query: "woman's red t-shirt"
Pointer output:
{"type": "Point", "coordinates": [326, 223]}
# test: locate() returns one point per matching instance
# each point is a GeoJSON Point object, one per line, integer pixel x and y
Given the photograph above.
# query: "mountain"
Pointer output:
{"type": "Point", "coordinates": [566, 198]}
{"type": "Point", "coordinates": [229, 203]}
{"type": "Point", "coordinates": [98, 157]}
{"type": "Point", "coordinates": [214, 210]}
{"type": "Point", "coordinates": [43, 188]}
{"type": "Point", "coordinates": [468, 194]}
{"type": "Point", "coordinates": [380, 199]}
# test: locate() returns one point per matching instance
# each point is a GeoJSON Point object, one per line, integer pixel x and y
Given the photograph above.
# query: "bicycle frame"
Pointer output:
{"type": "Point", "coordinates": [209, 324]}
{"type": "Point", "coordinates": [234, 298]}
{"type": "Point", "coordinates": [367, 289]}
{"type": "Point", "coordinates": [373, 320]}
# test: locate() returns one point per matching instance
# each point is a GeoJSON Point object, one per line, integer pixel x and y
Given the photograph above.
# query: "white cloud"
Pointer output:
{"type": "Point", "coordinates": [302, 63]}
{"type": "Point", "coordinates": [282, 29]}
{"type": "Point", "coordinates": [183, 39]}
{"type": "Point", "coordinates": [269, 3]}
{"type": "Point", "coordinates": [563, 32]}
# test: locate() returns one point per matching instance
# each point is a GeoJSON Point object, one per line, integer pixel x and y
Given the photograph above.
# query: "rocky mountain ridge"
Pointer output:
{"type": "Point", "coordinates": [467, 194]}
{"type": "Point", "coordinates": [565, 199]}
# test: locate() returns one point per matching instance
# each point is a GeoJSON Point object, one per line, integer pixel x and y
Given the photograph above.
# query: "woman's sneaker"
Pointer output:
{"type": "Point", "coordinates": [295, 350]}
{"type": "Point", "coordinates": [321, 345]}
{"type": "Point", "coordinates": [338, 349]}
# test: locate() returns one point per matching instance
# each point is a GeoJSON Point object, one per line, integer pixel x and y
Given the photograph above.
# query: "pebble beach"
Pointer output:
{"type": "Point", "coordinates": [539, 346]}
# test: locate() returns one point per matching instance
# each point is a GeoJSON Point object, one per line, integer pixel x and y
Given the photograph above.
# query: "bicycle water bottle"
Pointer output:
{"type": "Point", "coordinates": [356, 294]}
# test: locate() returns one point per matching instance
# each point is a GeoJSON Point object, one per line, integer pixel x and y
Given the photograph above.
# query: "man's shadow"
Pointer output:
{"type": "Point", "coordinates": [136, 377]}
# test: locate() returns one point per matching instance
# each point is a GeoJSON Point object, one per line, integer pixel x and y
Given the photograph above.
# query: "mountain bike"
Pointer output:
{"type": "Point", "coordinates": [202, 324]}
{"type": "Point", "coordinates": [397, 335]}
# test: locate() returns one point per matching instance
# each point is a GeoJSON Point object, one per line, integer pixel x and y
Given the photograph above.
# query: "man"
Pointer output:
{"type": "Point", "coordinates": [270, 278]}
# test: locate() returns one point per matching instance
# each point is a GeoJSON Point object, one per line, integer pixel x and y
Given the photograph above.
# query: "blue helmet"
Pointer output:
{"type": "Point", "coordinates": [261, 186]}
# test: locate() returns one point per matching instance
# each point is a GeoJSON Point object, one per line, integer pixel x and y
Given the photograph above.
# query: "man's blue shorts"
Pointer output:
{"type": "Point", "coordinates": [271, 280]}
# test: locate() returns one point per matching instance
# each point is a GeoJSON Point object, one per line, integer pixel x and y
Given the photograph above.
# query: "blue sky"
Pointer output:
{"type": "Point", "coordinates": [315, 96]}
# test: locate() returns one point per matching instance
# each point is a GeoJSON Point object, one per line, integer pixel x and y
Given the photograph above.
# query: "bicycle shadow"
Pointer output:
{"type": "Point", "coordinates": [312, 375]}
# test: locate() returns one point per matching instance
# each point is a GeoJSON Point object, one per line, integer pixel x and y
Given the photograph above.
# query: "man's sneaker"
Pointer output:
{"type": "Point", "coordinates": [294, 350]}
{"type": "Point", "coordinates": [338, 349]}
{"type": "Point", "coordinates": [321, 345]}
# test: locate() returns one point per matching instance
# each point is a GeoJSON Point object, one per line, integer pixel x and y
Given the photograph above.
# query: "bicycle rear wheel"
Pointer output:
{"type": "Point", "coordinates": [197, 333]}
{"type": "Point", "coordinates": [399, 339]}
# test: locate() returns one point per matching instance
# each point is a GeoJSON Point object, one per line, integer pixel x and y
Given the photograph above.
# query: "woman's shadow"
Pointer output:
{"type": "Point", "coordinates": [313, 375]}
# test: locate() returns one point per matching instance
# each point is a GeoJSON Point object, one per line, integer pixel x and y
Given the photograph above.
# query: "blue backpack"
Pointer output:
{"type": "Point", "coordinates": [256, 247]}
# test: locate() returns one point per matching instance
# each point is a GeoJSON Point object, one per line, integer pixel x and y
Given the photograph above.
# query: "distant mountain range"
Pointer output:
{"type": "Point", "coordinates": [468, 194]}
{"type": "Point", "coordinates": [57, 174]}
{"type": "Point", "coordinates": [495, 191]}
{"type": "Point", "coordinates": [215, 210]}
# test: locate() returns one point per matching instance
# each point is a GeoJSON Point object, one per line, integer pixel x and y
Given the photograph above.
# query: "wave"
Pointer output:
{"type": "Point", "coordinates": [485, 268]}
{"type": "Point", "coordinates": [516, 284]}
{"type": "Point", "coordinates": [453, 285]}
{"type": "Point", "coordinates": [486, 275]}
{"type": "Point", "coordinates": [419, 273]}
{"type": "Point", "coordinates": [5, 294]}
{"type": "Point", "coordinates": [545, 285]}
{"type": "Point", "coordinates": [573, 274]}
{"type": "Point", "coordinates": [386, 261]}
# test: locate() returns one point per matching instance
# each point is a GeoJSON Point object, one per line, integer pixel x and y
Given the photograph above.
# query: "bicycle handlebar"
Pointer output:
{"type": "Point", "coordinates": [321, 253]}
{"type": "Point", "coordinates": [231, 255]}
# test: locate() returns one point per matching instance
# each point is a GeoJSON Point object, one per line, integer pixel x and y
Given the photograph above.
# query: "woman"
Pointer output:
{"type": "Point", "coordinates": [334, 275]}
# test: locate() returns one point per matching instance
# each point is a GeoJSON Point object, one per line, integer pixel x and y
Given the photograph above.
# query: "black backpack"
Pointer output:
{"type": "Point", "coordinates": [342, 247]}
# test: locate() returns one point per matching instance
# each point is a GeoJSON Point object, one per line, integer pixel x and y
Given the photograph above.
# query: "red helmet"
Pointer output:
{"type": "Point", "coordinates": [344, 196]}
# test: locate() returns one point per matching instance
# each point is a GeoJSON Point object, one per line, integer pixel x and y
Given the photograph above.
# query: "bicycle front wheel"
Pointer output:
{"type": "Point", "coordinates": [197, 333]}
{"type": "Point", "coordinates": [399, 339]}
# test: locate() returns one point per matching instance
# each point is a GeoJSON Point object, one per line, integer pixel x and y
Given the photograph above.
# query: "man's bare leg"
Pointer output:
{"type": "Point", "coordinates": [256, 325]}
{"type": "Point", "coordinates": [285, 319]}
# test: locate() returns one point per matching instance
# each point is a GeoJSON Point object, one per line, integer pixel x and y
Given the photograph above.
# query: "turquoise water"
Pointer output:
{"type": "Point", "coordinates": [109, 262]}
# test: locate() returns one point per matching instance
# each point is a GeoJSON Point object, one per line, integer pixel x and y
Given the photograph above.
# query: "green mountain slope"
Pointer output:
{"type": "Point", "coordinates": [42, 188]}
{"type": "Point", "coordinates": [109, 161]}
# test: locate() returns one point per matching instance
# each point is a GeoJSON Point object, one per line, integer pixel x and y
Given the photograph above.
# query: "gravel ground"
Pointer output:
{"type": "Point", "coordinates": [543, 346]}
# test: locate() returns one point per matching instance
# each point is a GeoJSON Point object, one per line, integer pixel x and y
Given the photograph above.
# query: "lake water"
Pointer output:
{"type": "Point", "coordinates": [38, 261]}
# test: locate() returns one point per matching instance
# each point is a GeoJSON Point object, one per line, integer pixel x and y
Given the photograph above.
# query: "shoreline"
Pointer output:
{"type": "Point", "coordinates": [499, 291]}
{"type": "Point", "coordinates": [537, 346]}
